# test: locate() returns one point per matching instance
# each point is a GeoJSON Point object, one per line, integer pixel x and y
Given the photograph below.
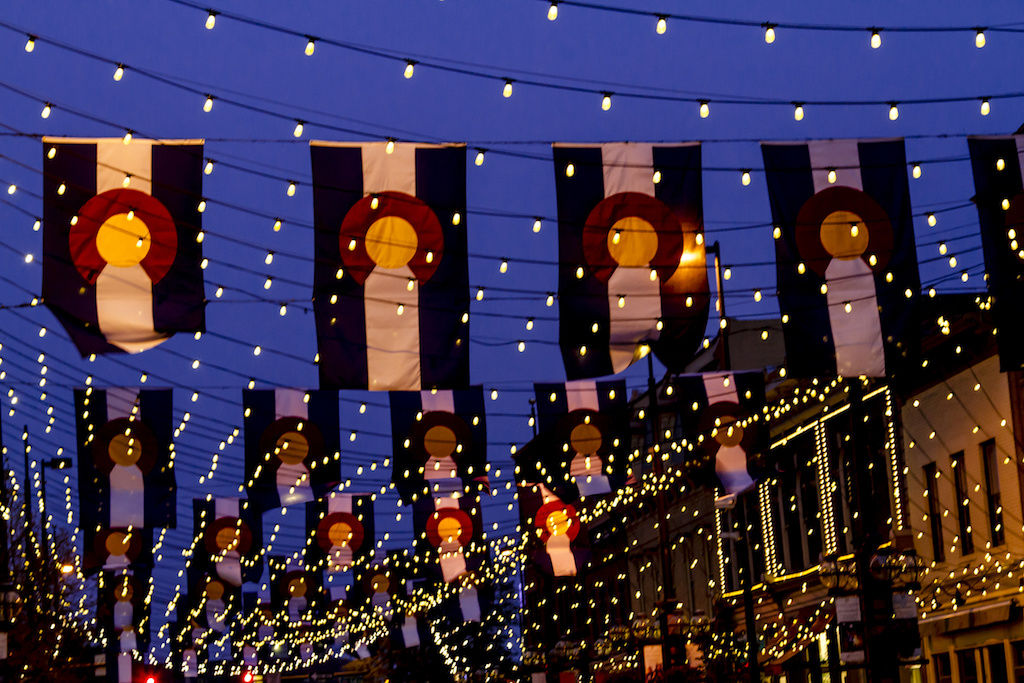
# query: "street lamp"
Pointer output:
{"type": "Point", "coordinates": [838, 573]}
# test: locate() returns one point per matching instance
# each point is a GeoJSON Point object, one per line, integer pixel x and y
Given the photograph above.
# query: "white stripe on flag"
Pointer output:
{"type": "Point", "coordinates": [115, 160]}
{"type": "Point", "coordinates": [339, 502]}
{"type": "Point", "coordinates": [720, 386]}
{"type": "Point", "coordinates": [124, 308]}
{"type": "Point", "coordinates": [840, 155]}
{"type": "Point", "coordinates": [637, 319]}
{"type": "Point", "coordinates": [392, 340]}
{"type": "Point", "coordinates": [290, 403]}
{"type": "Point", "coordinates": [440, 400]}
{"type": "Point", "coordinates": [581, 395]}
{"type": "Point", "coordinates": [120, 401]}
{"type": "Point", "coordinates": [395, 172]}
{"type": "Point", "coordinates": [628, 167]}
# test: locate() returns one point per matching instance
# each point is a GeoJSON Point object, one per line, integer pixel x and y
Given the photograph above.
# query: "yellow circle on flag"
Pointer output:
{"type": "Point", "coordinates": [585, 439]}
{"type": "Point", "coordinates": [449, 529]}
{"type": "Point", "coordinates": [124, 450]}
{"type": "Point", "coordinates": [123, 241]}
{"type": "Point", "coordinates": [730, 433]}
{"type": "Point", "coordinates": [632, 242]}
{"type": "Point", "coordinates": [340, 534]}
{"type": "Point", "coordinates": [391, 241]}
{"type": "Point", "coordinates": [439, 441]}
{"type": "Point", "coordinates": [844, 235]}
{"type": "Point", "coordinates": [292, 448]}
{"type": "Point", "coordinates": [228, 538]}
{"type": "Point", "coordinates": [558, 523]}
{"type": "Point", "coordinates": [117, 543]}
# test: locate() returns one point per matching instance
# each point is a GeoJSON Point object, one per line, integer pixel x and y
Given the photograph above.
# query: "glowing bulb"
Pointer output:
{"type": "Point", "coordinates": [410, 66]}
{"type": "Point", "coordinates": [769, 33]}
{"type": "Point", "coordinates": [479, 161]}
{"type": "Point", "coordinates": [374, 202]}
{"type": "Point", "coordinates": [915, 170]}
{"type": "Point", "coordinates": [1000, 164]}
{"type": "Point", "coordinates": [979, 38]}
{"type": "Point", "coordinates": [310, 47]}
{"type": "Point", "coordinates": [606, 102]}
{"type": "Point", "coordinates": [503, 268]}
{"type": "Point", "coordinates": [831, 176]}
{"type": "Point", "coordinates": [456, 218]}
{"type": "Point", "coordinates": [894, 111]}
{"type": "Point", "coordinates": [208, 104]}
{"type": "Point", "coordinates": [211, 21]}
{"type": "Point", "coordinates": [298, 129]}
{"type": "Point", "coordinates": [745, 178]}
{"type": "Point", "coordinates": [536, 225]}
{"type": "Point", "coordinates": [291, 189]}
{"type": "Point", "coordinates": [270, 258]}
{"type": "Point", "coordinates": [507, 90]}
{"type": "Point", "coordinates": [45, 113]}
{"type": "Point", "coordinates": [119, 72]}
{"type": "Point", "coordinates": [553, 11]}
{"type": "Point", "coordinates": [208, 169]}
{"type": "Point", "coordinates": [705, 109]}
{"type": "Point", "coordinates": [656, 178]}
{"type": "Point", "coordinates": [30, 44]}
{"type": "Point", "coordinates": [876, 40]}
{"type": "Point", "coordinates": [389, 147]}
{"type": "Point", "coordinates": [570, 171]}
{"type": "Point", "coordinates": [798, 112]}
{"type": "Point", "coordinates": [661, 26]}
{"type": "Point", "coordinates": [985, 107]}
{"type": "Point", "coordinates": [127, 138]}
{"type": "Point", "coordinates": [932, 220]}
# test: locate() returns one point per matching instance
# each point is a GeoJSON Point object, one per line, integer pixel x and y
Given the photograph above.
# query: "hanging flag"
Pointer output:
{"type": "Point", "coordinates": [116, 548]}
{"type": "Point", "coordinates": [215, 602]}
{"type": "Point", "coordinates": [409, 627]}
{"type": "Point", "coordinates": [724, 427]}
{"type": "Point", "coordinates": [121, 258]}
{"type": "Point", "coordinates": [125, 451]}
{"type": "Point", "coordinates": [584, 432]}
{"type": "Point", "coordinates": [258, 629]}
{"type": "Point", "coordinates": [439, 442]}
{"type": "Point", "coordinates": [339, 535]}
{"type": "Point", "coordinates": [294, 592]}
{"type": "Point", "coordinates": [996, 163]}
{"type": "Point", "coordinates": [292, 445]}
{"type": "Point", "coordinates": [451, 530]}
{"type": "Point", "coordinates": [632, 271]}
{"type": "Point", "coordinates": [561, 549]}
{"type": "Point", "coordinates": [229, 537]}
{"type": "Point", "coordinates": [392, 278]}
{"type": "Point", "coordinates": [122, 614]}
{"type": "Point", "coordinates": [846, 263]}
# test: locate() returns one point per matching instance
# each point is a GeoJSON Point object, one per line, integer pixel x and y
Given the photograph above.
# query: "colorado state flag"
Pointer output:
{"type": "Point", "coordinates": [391, 281]}
{"type": "Point", "coordinates": [121, 263]}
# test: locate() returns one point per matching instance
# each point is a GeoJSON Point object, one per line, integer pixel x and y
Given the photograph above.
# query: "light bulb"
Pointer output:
{"type": "Point", "coordinates": [570, 171]}
{"type": "Point", "coordinates": [208, 169]}
{"type": "Point", "coordinates": [291, 189]}
{"type": "Point", "coordinates": [745, 178]}
{"type": "Point", "coordinates": [127, 137]}
{"type": "Point", "coordinates": [798, 112]}
{"type": "Point", "coordinates": [410, 66]}
{"type": "Point", "coordinates": [705, 109]}
{"type": "Point", "coordinates": [119, 72]}
{"type": "Point", "coordinates": [208, 104]}
{"type": "Point", "coordinates": [661, 26]}
{"type": "Point", "coordinates": [507, 90]}
{"type": "Point", "coordinates": [876, 40]}
{"type": "Point", "coordinates": [553, 11]}
{"type": "Point", "coordinates": [932, 220]}
{"type": "Point", "coordinates": [479, 161]}
{"type": "Point", "coordinates": [211, 21]}
{"type": "Point", "coordinates": [979, 38]}
{"type": "Point", "coordinates": [503, 268]}
{"type": "Point", "coordinates": [656, 178]}
{"type": "Point", "coordinates": [298, 129]}
{"type": "Point", "coordinates": [390, 146]}
{"type": "Point", "coordinates": [831, 176]}
{"type": "Point", "coordinates": [536, 225]}
{"type": "Point", "coordinates": [45, 113]}
{"type": "Point", "coordinates": [769, 33]}
{"type": "Point", "coordinates": [310, 47]}
{"type": "Point", "coordinates": [1000, 164]}
{"type": "Point", "coordinates": [916, 170]}
{"type": "Point", "coordinates": [606, 102]}
{"type": "Point", "coordinates": [985, 107]}
{"type": "Point", "coordinates": [30, 44]}
{"type": "Point", "coordinates": [894, 112]}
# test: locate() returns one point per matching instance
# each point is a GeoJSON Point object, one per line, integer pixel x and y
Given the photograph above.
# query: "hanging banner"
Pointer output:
{"type": "Point", "coordinates": [122, 613]}
{"type": "Point", "coordinates": [439, 443]}
{"type": "Point", "coordinates": [292, 445]}
{"type": "Point", "coordinates": [392, 279]}
{"type": "Point", "coordinates": [340, 533]}
{"type": "Point", "coordinates": [451, 530]}
{"type": "Point", "coordinates": [230, 540]}
{"type": "Point", "coordinates": [632, 268]}
{"type": "Point", "coordinates": [125, 470]}
{"type": "Point", "coordinates": [121, 262]}
{"type": "Point", "coordinates": [584, 432]}
{"type": "Point", "coordinates": [562, 550]}
{"type": "Point", "coordinates": [722, 420]}
{"type": "Point", "coordinates": [999, 197]}
{"type": "Point", "coordinates": [847, 273]}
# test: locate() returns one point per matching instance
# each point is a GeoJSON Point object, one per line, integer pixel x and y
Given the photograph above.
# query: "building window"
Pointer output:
{"type": "Point", "coordinates": [995, 502]}
{"type": "Point", "coordinates": [1018, 659]}
{"type": "Point", "coordinates": [934, 516]}
{"type": "Point", "coordinates": [968, 666]}
{"type": "Point", "coordinates": [943, 670]}
{"type": "Point", "coordinates": [963, 508]}
{"type": "Point", "coordinates": [996, 663]}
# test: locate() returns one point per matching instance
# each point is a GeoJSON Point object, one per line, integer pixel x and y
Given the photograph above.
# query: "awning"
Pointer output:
{"type": "Point", "coordinates": [971, 617]}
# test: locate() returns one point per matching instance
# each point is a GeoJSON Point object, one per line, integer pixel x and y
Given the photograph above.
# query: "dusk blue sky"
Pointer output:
{"type": "Point", "coordinates": [503, 37]}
